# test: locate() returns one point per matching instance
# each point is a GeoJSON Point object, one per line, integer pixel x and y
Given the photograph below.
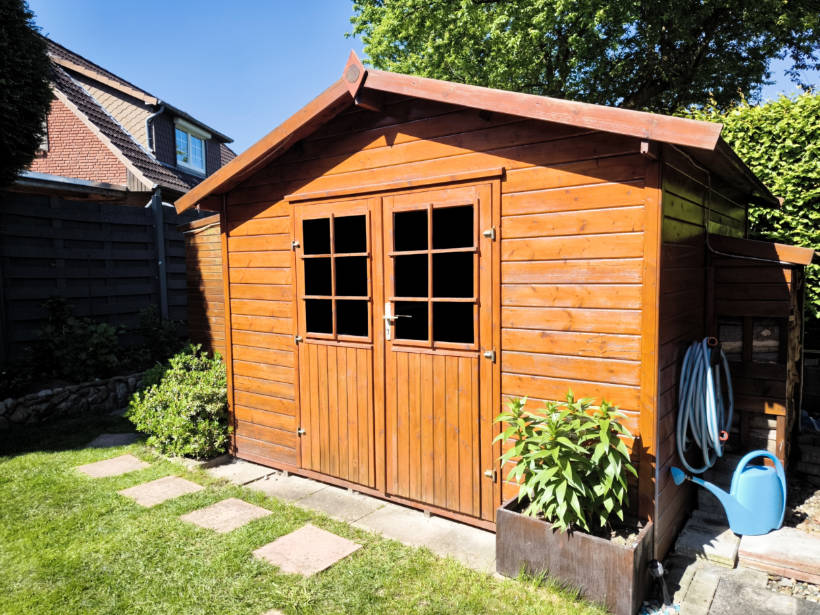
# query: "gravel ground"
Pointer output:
{"type": "Point", "coordinates": [791, 587]}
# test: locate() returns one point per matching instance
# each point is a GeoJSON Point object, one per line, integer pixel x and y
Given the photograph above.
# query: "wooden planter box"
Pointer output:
{"type": "Point", "coordinates": [606, 572]}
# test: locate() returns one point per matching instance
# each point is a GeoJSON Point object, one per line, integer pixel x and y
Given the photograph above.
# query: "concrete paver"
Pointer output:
{"type": "Point", "coordinates": [112, 467]}
{"type": "Point", "coordinates": [306, 551]}
{"type": "Point", "coordinates": [226, 515]}
{"type": "Point", "coordinates": [159, 490]}
{"type": "Point", "coordinates": [786, 552]}
{"type": "Point", "coordinates": [104, 440]}
{"type": "Point", "coordinates": [240, 472]}
{"type": "Point", "coordinates": [341, 504]}
{"type": "Point", "coordinates": [705, 540]}
{"type": "Point", "coordinates": [287, 487]}
{"type": "Point", "coordinates": [701, 590]}
{"type": "Point", "coordinates": [732, 598]}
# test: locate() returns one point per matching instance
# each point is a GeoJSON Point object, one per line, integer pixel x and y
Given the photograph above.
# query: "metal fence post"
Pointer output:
{"type": "Point", "coordinates": [159, 235]}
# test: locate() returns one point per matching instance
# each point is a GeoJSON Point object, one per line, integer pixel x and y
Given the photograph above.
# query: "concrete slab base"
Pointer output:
{"type": "Point", "coordinates": [733, 598]}
{"type": "Point", "coordinates": [341, 504]}
{"type": "Point", "coordinates": [240, 472]}
{"type": "Point", "coordinates": [106, 440]}
{"type": "Point", "coordinates": [698, 598]}
{"type": "Point", "coordinates": [226, 516]}
{"type": "Point", "coordinates": [112, 467]}
{"type": "Point", "coordinates": [786, 552]}
{"type": "Point", "coordinates": [203, 464]}
{"type": "Point", "coordinates": [287, 487]}
{"type": "Point", "coordinates": [157, 491]}
{"type": "Point", "coordinates": [704, 540]}
{"type": "Point", "coordinates": [306, 551]}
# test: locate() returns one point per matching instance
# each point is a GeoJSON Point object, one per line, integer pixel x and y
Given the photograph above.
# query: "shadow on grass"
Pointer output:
{"type": "Point", "coordinates": [59, 435]}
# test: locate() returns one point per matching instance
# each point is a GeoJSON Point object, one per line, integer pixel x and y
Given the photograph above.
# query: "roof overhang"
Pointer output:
{"type": "Point", "coordinates": [363, 87]}
{"type": "Point", "coordinates": [77, 189]}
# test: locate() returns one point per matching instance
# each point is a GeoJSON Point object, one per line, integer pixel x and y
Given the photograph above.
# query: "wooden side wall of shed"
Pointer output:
{"type": "Point", "coordinates": [572, 246]}
{"type": "Point", "coordinates": [685, 310]}
{"type": "Point", "coordinates": [206, 302]}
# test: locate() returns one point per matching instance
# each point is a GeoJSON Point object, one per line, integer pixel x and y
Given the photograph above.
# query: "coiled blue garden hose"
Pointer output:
{"type": "Point", "coordinates": [703, 416]}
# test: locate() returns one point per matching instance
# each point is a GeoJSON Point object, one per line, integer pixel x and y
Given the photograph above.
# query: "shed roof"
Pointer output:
{"type": "Point", "coordinates": [361, 86]}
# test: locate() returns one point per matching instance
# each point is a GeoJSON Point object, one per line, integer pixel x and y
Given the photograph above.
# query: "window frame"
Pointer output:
{"type": "Point", "coordinates": [191, 132]}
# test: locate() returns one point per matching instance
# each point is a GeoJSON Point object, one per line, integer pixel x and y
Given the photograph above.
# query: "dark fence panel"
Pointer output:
{"type": "Point", "coordinates": [100, 255]}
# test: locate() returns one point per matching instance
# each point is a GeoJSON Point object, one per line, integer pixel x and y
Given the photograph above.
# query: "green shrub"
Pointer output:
{"type": "Point", "coordinates": [160, 338]}
{"type": "Point", "coordinates": [570, 462]}
{"type": "Point", "coordinates": [74, 348]}
{"type": "Point", "coordinates": [186, 412]}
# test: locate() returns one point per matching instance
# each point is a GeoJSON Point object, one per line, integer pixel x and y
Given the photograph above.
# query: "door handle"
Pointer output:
{"type": "Point", "coordinates": [390, 318]}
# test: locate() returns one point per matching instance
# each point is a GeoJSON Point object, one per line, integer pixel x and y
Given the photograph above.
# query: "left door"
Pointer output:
{"type": "Point", "coordinates": [335, 316]}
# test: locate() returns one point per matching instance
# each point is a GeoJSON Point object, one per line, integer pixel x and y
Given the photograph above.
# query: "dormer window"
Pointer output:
{"type": "Point", "coordinates": [190, 146]}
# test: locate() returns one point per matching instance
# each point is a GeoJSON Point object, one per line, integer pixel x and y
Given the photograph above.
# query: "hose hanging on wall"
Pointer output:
{"type": "Point", "coordinates": [703, 417]}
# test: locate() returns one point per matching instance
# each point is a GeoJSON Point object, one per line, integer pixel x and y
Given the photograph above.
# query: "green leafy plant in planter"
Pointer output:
{"type": "Point", "coordinates": [569, 461]}
{"type": "Point", "coordinates": [185, 411]}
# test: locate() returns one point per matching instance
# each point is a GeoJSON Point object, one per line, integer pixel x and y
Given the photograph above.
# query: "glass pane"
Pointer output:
{"type": "Point", "coordinates": [410, 230]}
{"type": "Point", "coordinates": [182, 145]}
{"type": "Point", "coordinates": [197, 153]}
{"type": "Point", "coordinates": [453, 274]}
{"type": "Point", "coordinates": [453, 227]}
{"type": "Point", "coordinates": [318, 316]}
{"type": "Point", "coordinates": [350, 234]}
{"type": "Point", "coordinates": [411, 323]}
{"type": "Point", "coordinates": [351, 318]}
{"type": "Point", "coordinates": [410, 275]}
{"type": "Point", "coordinates": [766, 341]}
{"type": "Point", "coordinates": [317, 276]}
{"type": "Point", "coordinates": [316, 236]}
{"type": "Point", "coordinates": [453, 322]}
{"type": "Point", "coordinates": [730, 334]}
{"type": "Point", "coordinates": [351, 276]}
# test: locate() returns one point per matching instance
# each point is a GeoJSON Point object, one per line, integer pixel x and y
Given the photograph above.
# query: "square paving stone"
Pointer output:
{"type": "Point", "coordinates": [226, 515]}
{"type": "Point", "coordinates": [341, 504]}
{"type": "Point", "coordinates": [290, 488]}
{"type": "Point", "coordinates": [306, 551]}
{"type": "Point", "coordinates": [157, 491]}
{"type": "Point", "coordinates": [240, 472]}
{"type": "Point", "coordinates": [112, 467]}
{"type": "Point", "coordinates": [105, 440]}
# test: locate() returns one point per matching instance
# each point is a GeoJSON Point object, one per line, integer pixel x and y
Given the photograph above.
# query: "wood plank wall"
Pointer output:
{"type": "Point", "coordinates": [571, 243]}
{"type": "Point", "coordinates": [683, 311]}
{"type": "Point", "coordinates": [100, 256]}
{"type": "Point", "coordinates": [206, 301]}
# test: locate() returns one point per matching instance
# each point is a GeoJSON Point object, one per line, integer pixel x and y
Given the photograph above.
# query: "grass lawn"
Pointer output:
{"type": "Point", "coordinates": [70, 544]}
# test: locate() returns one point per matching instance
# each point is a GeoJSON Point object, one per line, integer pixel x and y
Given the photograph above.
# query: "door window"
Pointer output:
{"type": "Point", "coordinates": [435, 274]}
{"type": "Point", "coordinates": [336, 268]}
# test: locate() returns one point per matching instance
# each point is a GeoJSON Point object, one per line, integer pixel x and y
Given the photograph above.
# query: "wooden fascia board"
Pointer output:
{"type": "Point", "coordinates": [767, 250]}
{"type": "Point", "coordinates": [92, 74]}
{"type": "Point", "coordinates": [318, 111]}
{"type": "Point", "coordinates": [650, 126]}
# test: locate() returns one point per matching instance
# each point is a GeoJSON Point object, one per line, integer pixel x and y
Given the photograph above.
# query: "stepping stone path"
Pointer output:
{"type": "Point", "coordinates": [113, 439]}
{"type": "Point", "coordinates": [112, 467]}
{"type": "Point", "coordinates": [226, 515]}
{"type": "Point", "coordinates": [157, 491]}
{"type": "Point", "coordinates": [306, 551]}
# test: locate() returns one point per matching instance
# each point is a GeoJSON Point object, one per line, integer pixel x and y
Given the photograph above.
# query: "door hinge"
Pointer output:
{"type": "Point", "coordinates": [490, 354]}
{"type": "Point", "coordinates": [490, 233]}
{"type": "Point", "coordinates": [300, 432]}
{"type": "Point", "coordinates": [297, 339]}
{"type": "Point", "coordinates": [492, 474]}
{"type": "Point", "coordinates": [294, 244]}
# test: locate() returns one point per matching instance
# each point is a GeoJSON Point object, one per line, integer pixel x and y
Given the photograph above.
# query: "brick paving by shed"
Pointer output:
{"type": "Point", "coordinates": [306, 551]}
{"type": "Point", "coordinates": [112, 467]}
{"type": "Point", "coordinates": [226, 515]}
{"type": "Point", "coordinates": [157, 491]}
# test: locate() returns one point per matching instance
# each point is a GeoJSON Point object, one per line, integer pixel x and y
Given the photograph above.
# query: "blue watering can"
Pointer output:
{"type": "Point", "coordinates": [756, 502]}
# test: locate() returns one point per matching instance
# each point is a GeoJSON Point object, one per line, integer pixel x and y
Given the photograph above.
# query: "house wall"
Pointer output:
{"type": "Point", "coordinates": [575, 206]}
{"type": "Point", "coordinates": [75, 151]}
{"type": "Point", "coordinates": [686, 308]}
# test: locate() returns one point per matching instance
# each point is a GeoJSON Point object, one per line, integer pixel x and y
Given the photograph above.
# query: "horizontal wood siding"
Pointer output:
{"type": "Point", "coordinates": [206, 301]}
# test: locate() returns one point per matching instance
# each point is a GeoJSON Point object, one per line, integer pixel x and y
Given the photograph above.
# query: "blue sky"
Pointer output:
{"type": "Point", "coordinates": [242, 67]}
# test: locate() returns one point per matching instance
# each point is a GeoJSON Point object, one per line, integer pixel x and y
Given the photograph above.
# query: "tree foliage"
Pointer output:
{"type": "Point", "coordinates": [25, 93]}
{"type": "Point", "coordinates": [780, 142]}
{"type": "Point", "coordinates": [649, 54]}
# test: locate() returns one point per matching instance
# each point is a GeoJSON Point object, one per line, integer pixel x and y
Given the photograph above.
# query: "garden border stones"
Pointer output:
{"type": "Point", "coordinates": [94, 397]}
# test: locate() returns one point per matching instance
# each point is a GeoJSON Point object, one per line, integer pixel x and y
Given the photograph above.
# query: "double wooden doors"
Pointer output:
{"type": "Point", "coordinates": [396, 359]}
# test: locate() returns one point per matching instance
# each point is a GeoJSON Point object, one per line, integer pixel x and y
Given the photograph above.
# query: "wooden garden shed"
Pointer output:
{"type": "Point", "coordinates": [403, 254]}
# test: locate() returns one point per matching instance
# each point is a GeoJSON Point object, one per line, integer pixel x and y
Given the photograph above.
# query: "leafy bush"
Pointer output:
{"type": "Point", "coordinates": [74, 348]}
{"type": "Point", "coordinates": [160, 338]}
{"type": "Point", "coordinates": [569, 460]}
{"type": "Point", "coordinates": [186, 412]}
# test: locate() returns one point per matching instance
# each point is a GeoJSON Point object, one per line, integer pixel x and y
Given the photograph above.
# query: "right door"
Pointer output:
{"type": "Point", "coordinates": [438, 349]}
